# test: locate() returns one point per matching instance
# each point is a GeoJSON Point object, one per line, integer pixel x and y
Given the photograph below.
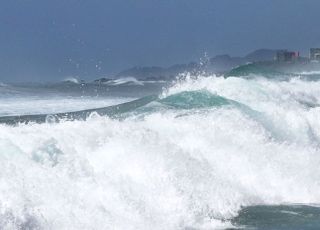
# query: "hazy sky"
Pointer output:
{"type": "Point", "coordinates": [45, 40]}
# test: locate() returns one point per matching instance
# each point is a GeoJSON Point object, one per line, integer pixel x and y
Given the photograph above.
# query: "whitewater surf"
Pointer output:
{"type": "Point", "coordinates": [204, 153]}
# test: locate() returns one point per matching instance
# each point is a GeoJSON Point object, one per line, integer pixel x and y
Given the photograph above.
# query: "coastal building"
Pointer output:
{"type": "Point", "coordinates": [287, 56]}
{"type": "Point", "coordinates": [315, 54]}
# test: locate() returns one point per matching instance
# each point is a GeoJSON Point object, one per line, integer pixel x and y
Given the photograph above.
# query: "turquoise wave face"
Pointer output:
{"type": "Point", "coordinates": [185, 103]}
{"type": "Point", "coordinates": [188, 100]}
{"type": "Point", "coordinates": [273, 70]}
{"type": "Point", "coordinates": [196, 99]}
{"type": "Point", "coordinates": [255, 69]}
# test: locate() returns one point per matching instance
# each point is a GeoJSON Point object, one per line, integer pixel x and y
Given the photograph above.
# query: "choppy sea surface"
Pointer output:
{"type": "Point", "coordinates": [201, 152]}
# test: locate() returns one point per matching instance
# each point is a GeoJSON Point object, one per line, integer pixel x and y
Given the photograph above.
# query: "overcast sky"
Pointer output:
{"type": "Point", "coordinates": [48, 40]}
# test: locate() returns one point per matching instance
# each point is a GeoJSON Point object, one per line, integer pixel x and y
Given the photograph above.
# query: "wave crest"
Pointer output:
{"type": "Point", "coordinates": [163, 170]}
{"type": "Point", "coordinates": [124, 81]}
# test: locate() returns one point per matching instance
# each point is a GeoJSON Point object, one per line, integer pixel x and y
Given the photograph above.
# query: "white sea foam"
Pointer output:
{"type": "Point", "coordinates": [125, 81]}
{"type": "Point", "coordinates": [72, 80]}
{"type": "Point", "coordinates": [310, 73]}
{"type": "Point", "coordinates": [168, 170]}
{"type": "Point", "coordinates": [37, 105]}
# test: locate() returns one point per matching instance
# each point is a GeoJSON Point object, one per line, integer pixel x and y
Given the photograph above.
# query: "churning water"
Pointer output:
{"type": "Point", "coordinates": [205, 153]}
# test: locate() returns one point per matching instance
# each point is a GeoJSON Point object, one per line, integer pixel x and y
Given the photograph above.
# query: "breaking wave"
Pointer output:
{"type": "Point", "coordinates": [193, 157]}
{"type": "Point", "coordinates": [71, 80]}
{"type": "Point", "coordinates": [253, 70]}
{"type": "Point", "coordinates": [124, 81]}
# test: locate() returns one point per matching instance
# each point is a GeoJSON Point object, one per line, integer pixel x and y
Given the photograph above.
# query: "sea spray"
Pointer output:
{"type": "Point", "coordinates": [167, 166]}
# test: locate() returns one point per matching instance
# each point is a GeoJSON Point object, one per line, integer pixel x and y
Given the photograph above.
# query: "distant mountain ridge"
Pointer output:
{"type": "Point", "coordinates": [156, 72]}
{"type": "Point", "coordinates": [223, 63]}
{"type": "Point", "coordinates": [261, 55]}
{"type": "Point", "coordinates": [217, 64]}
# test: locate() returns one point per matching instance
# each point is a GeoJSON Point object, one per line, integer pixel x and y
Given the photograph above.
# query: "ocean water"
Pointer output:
{"type": "Point", "coordinates": [197, 153]}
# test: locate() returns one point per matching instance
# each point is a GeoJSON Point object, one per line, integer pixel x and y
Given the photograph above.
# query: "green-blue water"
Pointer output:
{"type": "Point", "coordinates": [201, 153]}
